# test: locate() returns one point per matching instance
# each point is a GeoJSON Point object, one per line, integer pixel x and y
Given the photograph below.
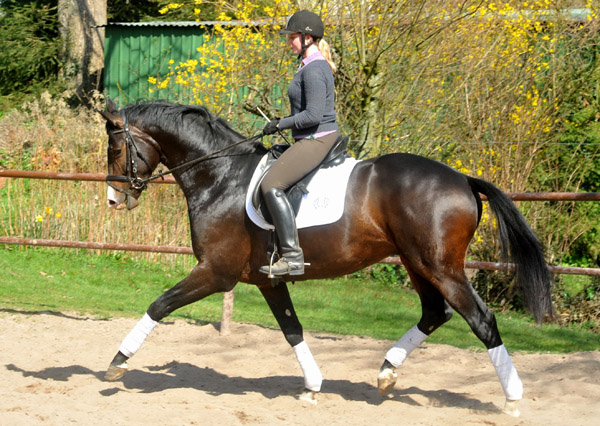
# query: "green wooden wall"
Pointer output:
{"type": "Point", "coordinates": [135, 51]}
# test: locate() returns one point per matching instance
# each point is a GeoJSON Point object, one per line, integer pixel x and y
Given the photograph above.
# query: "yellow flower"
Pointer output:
{"type": "Point", "coordinates": [39, 218]}
{"type": "Point", "coordinates": [48, 210]}
{"type": "Point", "coordinates": [58, 215]}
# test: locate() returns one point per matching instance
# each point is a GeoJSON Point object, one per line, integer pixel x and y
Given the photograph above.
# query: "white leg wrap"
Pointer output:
{"type": "Point", "coordinates": [511, 383]}
{"type": "Point", "coordinates": [136, 337]}
{"type": "Point", "coordinates": [402, 349]}
{"type": "Point", "coordinates": [312, 375]}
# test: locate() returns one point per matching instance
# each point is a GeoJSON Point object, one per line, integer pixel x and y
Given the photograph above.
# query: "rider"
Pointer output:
{"type": "Point", "coordinates": [314, 128]}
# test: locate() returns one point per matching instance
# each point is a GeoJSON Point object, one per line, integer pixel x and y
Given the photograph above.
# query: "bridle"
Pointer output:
{"type": "Point", "coordinates": [138, 184]}
{"type": "Point", "coordinates": [131, 176]}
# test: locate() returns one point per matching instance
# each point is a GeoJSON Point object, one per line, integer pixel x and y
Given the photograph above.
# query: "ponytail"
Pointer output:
{"type": "Point", "coordinates": [326, 52]}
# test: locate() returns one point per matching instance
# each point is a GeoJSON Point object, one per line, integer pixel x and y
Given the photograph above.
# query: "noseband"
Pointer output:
{"type": "Point", "coordinates": [138, 184]}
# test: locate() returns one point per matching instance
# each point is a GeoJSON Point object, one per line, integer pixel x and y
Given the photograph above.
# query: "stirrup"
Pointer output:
{"type": "Point", "coordinates": [270, 273]}
{"type": "Point", "coordinates": [293, 268]}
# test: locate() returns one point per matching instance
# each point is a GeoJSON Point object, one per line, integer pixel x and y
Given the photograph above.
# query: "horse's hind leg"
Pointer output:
{"type": "Point", "coordinates": [278, 299]}
{"type": "Point", "coordinates": [197, 285]}
{"type": "Point", "coordinates": [456, 293]}
{"type": "Point", "coordinates": [463, 298]}
{"type": "Point", "coordinates": [434, 312]}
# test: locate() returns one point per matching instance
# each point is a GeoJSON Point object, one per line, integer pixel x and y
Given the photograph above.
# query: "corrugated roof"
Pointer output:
{"type": "Point", "coordinates": [574, 14]}
{"type": "Point", "coordinates": [183, 23]}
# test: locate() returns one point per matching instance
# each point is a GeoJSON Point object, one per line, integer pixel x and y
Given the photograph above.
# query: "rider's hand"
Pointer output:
{"type": "Point", "coordinates": [271, 127]}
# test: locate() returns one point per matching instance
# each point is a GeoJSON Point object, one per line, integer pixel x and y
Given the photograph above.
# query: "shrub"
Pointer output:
{"type": "Point", "coordinates": [31, 50]}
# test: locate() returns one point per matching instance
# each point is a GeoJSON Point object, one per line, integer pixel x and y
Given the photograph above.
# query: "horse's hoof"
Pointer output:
{"type": "Point", "coordinates": [386, 381]}
{"type": "Point", "coordinates": [308, 396]}
{"type": "Point", "coordinates": [115, 372]}
{"type": "Point", "coordinates": [511, 407]}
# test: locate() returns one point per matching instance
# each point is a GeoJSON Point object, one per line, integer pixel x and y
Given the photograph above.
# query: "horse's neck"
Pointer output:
{"type": "Point", "coordinates": [228, 174]}
{"type": "Point", "coordinates": [231, 168]}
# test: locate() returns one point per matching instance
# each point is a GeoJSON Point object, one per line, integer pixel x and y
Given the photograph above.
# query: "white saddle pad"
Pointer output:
{"type": "Point", "coordinates": [324, 202]}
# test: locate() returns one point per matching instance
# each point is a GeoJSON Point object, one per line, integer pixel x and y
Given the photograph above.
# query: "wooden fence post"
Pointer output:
{"type": "Point", "coordinates": [227, 313]}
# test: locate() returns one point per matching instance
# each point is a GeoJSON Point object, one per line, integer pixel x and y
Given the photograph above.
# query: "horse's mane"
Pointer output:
{"type": "Point", "coordinates": [180, 120]}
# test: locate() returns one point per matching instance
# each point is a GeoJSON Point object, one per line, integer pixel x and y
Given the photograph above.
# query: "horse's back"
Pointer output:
{"type": "Point", "coordinates": [418, 203]}
{"type": "Point", "coordinates": [413, 179]}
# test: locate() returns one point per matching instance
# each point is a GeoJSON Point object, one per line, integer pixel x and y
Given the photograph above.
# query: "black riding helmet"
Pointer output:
{"type": "Point", "coordinates": [304, 22]}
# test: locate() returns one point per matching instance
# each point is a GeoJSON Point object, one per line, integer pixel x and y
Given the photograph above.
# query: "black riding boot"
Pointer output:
{"type": "Point", "coordinates": [291, 261]}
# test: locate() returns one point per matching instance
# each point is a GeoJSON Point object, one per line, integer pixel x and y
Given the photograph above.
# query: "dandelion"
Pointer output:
{"type": "Point", "coordinates": [39, 218]}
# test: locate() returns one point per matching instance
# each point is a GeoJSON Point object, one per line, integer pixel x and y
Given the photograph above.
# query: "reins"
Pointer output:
{"type": "Point", "coordinates": [131, 170]}
{"type": "Point", "coordinates": [200, 159]}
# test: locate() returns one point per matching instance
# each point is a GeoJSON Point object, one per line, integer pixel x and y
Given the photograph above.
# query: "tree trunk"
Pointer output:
{"type": "Point", "coordinates": [369, 133]}
{"type": "Point", "coordinates": [83, 44]}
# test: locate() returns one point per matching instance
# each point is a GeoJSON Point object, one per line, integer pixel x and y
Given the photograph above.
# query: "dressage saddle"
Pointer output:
{"type": "Point", "coordinates": [336, 156]}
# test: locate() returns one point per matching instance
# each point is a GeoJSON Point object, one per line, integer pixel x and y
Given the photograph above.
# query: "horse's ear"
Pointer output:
{"type": "Point", "coordinates": [111, 106]}
{"type": "Point", "coordinates": [111, 115]}
{"type": "Point", "coordinates": [114, 119]}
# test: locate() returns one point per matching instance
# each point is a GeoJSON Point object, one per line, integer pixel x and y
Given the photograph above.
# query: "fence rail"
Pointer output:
{"type": "Point", "coordinates": [90, 177]}
{"type": "Point", "coordinates": [491, 266]}
{"type": "Point", "coordinates": [99, 177]}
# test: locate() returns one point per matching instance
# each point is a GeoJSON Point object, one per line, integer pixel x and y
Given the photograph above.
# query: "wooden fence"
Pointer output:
{"type": "Point", "coordinates": [228, 297]}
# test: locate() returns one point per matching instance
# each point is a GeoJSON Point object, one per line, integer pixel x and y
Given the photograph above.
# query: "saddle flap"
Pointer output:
{"type": "Point", "coordinates": [324, 203]}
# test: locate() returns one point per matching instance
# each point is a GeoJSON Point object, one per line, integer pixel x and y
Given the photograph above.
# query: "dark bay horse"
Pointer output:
{"type": "Point", "coordinates": [397, 204]}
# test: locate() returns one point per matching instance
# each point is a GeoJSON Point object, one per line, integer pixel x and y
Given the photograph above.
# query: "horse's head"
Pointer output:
{"type": "Point", "coordinates": [132, 156]}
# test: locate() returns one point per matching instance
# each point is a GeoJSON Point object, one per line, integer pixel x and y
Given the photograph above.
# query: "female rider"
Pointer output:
{"type": "Point", "coordinates": [314, 129]}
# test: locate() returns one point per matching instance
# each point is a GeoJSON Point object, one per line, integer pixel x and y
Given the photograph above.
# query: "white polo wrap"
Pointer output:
{"type": "Point", "coordinates": [136, 337]}
{"type": "Point", "coordinates": [312, 375]}
{"type": "Point", "coordinates": [402, 349]}
{"type": "Point", "coordinates": [511, 383]}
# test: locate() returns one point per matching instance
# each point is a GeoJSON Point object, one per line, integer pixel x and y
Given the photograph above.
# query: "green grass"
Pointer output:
{"type": "Point", "coordinates": [107, 286]}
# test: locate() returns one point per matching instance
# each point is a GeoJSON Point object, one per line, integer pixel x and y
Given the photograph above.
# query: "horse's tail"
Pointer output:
{"type": "Point", "coordinates": [520, 242]}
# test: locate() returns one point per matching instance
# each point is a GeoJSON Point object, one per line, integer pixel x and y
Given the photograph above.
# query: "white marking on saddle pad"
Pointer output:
{"type": "Point", "coordinates": [324, 202]}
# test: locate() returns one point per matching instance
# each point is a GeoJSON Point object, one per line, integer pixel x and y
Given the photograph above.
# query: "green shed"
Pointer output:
{"type": "Point", "coordinates": [134, 51]}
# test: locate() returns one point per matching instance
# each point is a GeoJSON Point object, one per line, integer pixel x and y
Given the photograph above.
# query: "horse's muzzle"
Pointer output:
{"type": "Point", "coordinates": [120, 200]}
{"type": "Point", "coordinates": [131, 202]}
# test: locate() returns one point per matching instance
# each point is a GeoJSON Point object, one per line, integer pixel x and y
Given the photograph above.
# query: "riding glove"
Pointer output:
{"type": "Point", "coordinates": [271, 127]}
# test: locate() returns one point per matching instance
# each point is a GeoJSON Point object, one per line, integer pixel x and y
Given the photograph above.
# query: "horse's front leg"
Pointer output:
{"type": "Point", "coordinates": [435, 312]}
{"type": "Point", "coordinates": [199, 284]}
{"type": "Point", "coordinates": [278, 299]}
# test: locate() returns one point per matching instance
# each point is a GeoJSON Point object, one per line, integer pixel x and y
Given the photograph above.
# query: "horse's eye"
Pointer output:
{"type": "Point", "coordinates": [113, 153]}
{"type": "Point", "coordinates": [112, 150]}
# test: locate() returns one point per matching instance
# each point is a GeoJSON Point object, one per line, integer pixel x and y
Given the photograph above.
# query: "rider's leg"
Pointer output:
{"type": "Point", "coordinates": [295, 163]}
{"type": "Point", "coordinates": [282, 214]}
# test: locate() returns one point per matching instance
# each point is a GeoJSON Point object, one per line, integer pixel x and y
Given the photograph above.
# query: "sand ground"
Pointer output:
{"type": "Point", "coordinates": [52, 367]}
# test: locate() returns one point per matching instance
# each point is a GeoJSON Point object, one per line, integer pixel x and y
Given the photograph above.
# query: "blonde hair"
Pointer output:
{"type": "Point", "coordinates": [326, 52]}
